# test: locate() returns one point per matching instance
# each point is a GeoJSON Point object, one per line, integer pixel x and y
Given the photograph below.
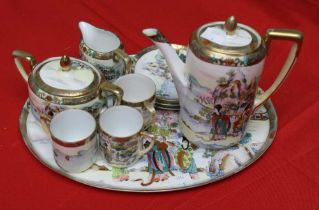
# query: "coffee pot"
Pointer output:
{"type": "Point", "coordinates": [217, 86]}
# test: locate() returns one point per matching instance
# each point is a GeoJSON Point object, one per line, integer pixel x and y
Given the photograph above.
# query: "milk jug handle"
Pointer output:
{"type": "Point", "coordinates": [281, 34]}
{"type": "Point", "coordinates": [120, 54]}
{"type": "Point", "coordinates": [18, 55]}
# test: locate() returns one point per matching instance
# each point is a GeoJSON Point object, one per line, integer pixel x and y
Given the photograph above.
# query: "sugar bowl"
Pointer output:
{"type": "Point", "coordinates": [61, 83]}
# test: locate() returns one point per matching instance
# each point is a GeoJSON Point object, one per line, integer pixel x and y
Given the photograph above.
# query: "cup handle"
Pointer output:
{"type": "Point", "coordinates": [150, 109]}
{"type": "Point", "coordinates": [152, 139]}
{"type": "Point", "coordinates": [126, 58]}
{"type": "Point", "coordinates": [116, 90]}
{"type": "Point", "coordinates": [44, 120]}
{"type": "Point", "coordinates": [281, 34]}
{"type": "Point", "coordinates": [17, 56]}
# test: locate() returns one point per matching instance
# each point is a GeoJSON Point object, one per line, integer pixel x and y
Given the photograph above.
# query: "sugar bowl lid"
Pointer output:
{"type": "Point", "coordinates": [70, 79]}
{"type": "Point", "coordinates": [229, 37]}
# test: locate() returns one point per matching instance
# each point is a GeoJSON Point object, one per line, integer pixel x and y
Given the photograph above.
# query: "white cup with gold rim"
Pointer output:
{"type": "Point", "coordinates": [121, 136]}
{"type": "Point", "coordinates": [74, 139]}
{"type": "Point", "coordinates": [139, 92]}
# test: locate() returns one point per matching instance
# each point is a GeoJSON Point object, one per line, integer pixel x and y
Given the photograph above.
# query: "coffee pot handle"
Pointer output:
{"type": "Point", "coordinates": [281, 34]}
{"type": "Point", "coordinates": [120, 54]}
{"type": "Point", "coordinates": [152, 140]}
{"type": "Point", "coordinates": [17, 56]}
{"type": "Point", "coordinates": [108, 87]}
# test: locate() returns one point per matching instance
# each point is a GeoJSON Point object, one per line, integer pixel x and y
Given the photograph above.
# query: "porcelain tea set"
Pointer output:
{"type": "Point", "coordinates": [100, 102]}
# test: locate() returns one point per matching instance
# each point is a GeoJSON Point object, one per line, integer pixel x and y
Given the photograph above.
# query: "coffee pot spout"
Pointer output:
{"type": "Point", "coordinates": [176, 66]}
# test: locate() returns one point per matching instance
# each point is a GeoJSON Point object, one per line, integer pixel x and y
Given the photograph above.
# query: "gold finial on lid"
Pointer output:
{"type": "Point", "coordinates": [65, 63]}
{"type": "Point", "coordinates": [230, 25]}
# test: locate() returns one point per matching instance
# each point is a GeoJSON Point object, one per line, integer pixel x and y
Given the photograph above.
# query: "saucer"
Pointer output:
{"type": "Point", "coordinates": [166, 106]}
{"type": "Point", "coordinates": [172, 164]}
{"type": "Point", "coordinates": [151, 62]}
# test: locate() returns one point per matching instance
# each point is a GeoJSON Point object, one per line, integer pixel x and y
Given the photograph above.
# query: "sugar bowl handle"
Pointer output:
{"type": "Point", "coordinates": [45, 121]}
{"type": "Point", "coordinates": [152, 140]}
{"type": "Point", "coordinates": [108, 87]}
{"type": "Point", "coordinates": [19, 55]}
{"type": "Point", "coordinates": [120, 54]}
{"type": "Point", "coordinates": [281, 34]}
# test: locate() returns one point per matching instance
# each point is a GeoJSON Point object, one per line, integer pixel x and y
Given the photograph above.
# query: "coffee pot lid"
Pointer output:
{"type": "Point", "coordinates": [65, 76]}
{"type": "Point", "coordinates": [227, 37]}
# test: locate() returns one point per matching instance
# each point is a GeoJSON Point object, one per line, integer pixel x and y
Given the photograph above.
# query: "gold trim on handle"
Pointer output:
{"type": "Point", "coordinates": [150, 108]}
{"type": "Point", "coordinates": [152, 140]}
{"type": "Point", "coordinates": [120, 54]}
{"type": "Point", "coordinates": [138, 104]}
{"type": "Point", "coordinates": [116, 90]}
{"type": "Point", "coordinates": [281, 34]}
{"type": "Point", "coordinates": [45, 121]}
{"type": "Point", "coordinates": [284, 34]}
{"type": "Point", "coordinates": [17, 56]}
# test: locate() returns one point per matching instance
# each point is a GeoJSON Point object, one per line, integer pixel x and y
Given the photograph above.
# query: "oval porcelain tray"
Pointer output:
{"type": "Point", "coordinates": [170, 165]}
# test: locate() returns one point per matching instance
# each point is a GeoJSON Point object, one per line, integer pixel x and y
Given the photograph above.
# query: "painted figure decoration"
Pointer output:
{"type": "Point", "coordinates": [160, 162]}
{"type": "Point", "coordinates": [230, 105]}
{"type": "Point", "coordinates": [185, 160]}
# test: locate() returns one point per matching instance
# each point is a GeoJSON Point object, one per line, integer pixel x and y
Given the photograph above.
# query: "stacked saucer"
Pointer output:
{"type": "Point", "coordinates": [150, 62]}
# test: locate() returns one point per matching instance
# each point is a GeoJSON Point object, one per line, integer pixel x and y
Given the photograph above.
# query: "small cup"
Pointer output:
{"type": "Point", "coordinates": [139, 92]}
{"type": "Point", "coordinates": [122, 137]}
{"type": "Point", "coordinates": [74, 139]}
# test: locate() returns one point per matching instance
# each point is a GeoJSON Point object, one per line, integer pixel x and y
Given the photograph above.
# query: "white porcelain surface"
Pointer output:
{"type": "Point", "coordinates": [121, 121]}
{"type": "Point", "coordinates": [75, 151]}
{"type": "Point", "coordinates": [72, 125]}
{"type": "Point", "coordinates": [98, 39]}
{"type": "Point", "coordinates": [153, 65]}
{"type": "Point", "coordinates": [218, 35]}
{"type": "Point", "coordinates": [75, 79]}
{"type": "Point", "coordinates": [136, 87]}
{"type": "Point", "coordinates": [150, 31]}
{"type": "Point", "coordinates": [76, 159]}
